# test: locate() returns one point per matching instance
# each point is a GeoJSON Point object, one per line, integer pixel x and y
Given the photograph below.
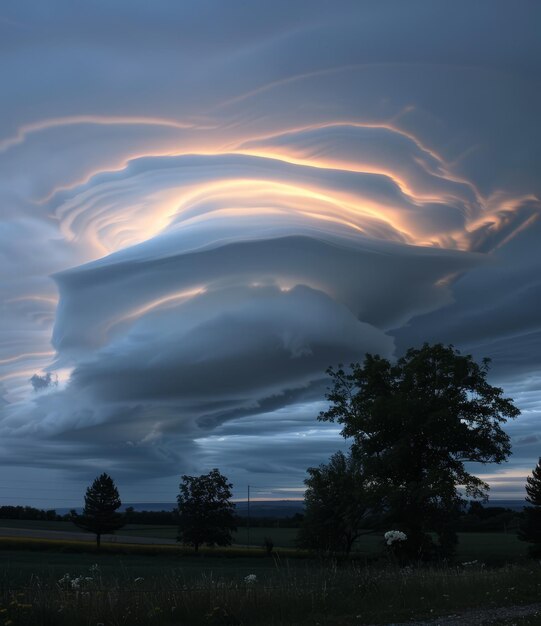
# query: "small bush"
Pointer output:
{"type": "Point", "coordinates": [534, 551]}
{"type": "Point", "coordinates": [268, 544]}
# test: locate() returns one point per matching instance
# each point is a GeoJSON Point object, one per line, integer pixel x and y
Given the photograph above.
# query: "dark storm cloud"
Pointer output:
{"type": "Point", "coordinates": [231, 198]}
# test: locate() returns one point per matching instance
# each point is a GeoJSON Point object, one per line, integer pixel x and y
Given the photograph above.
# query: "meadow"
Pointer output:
{"type": "Point", "coordinates": [491, 547]}
{"type": "Point", "coordinates": [65, 583]}
{"type": "Point", "coordinates": [60, 582]}
{"type": "Point", "coordinates": [88, 589]}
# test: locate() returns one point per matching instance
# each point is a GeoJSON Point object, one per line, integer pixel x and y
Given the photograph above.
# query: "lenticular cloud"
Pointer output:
{"type": "Point", "coordinates": [250, 273]}
{"type": "Point", "coordinates": [225, 283]}
{"type": "Point", "coordinates": [192, 235]}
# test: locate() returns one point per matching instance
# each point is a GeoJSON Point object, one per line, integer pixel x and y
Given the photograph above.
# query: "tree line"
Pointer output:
{"type": "Point", "coordinates": [475, 518]}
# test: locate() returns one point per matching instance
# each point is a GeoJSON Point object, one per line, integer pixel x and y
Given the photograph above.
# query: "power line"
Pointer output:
{"type": "Point", "coordinates": [248, 517]}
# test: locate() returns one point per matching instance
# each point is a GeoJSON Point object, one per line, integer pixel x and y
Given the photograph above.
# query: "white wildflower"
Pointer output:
{"type": "Point", "coordinates": [393, 536]}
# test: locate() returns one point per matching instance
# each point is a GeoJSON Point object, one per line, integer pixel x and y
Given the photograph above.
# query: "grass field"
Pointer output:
{"type": "Point", "coordinates": [164, 585]}
{"type": "Point", "coordinates": [135, 590]}
{"type": "Point", "coordinates": [490, 547]}
{"type": "Point", "coordinates": [38, 525]}
{"type": "Point", "coordinates": [18, 566]}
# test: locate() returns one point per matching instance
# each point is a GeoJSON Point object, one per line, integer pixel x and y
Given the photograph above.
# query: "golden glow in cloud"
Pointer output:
{"type": "Point", "coordinates": [416, 204]}
{"type": "Point", "coordinates": [159, 303]}
{"type": "Point", "coordinates": [100, 120]}
{"type": "Point", "coordinates": [345, 179]}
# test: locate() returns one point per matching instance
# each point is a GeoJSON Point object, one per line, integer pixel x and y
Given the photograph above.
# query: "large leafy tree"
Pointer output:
{"type": "Point", "coordinates": [337, 504]}
{"type": "Point", "coordinates": [414, 425]}
{"type": "Point", "coordinates": [100, 514]}
{"type": "Point", "coordinates": [206, 513]}
{"type": "Point", "coordinates": [530, 528]}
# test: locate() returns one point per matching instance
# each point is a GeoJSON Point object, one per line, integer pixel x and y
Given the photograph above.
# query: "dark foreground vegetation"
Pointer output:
{"type": "Point", "coordinates": [65, 589]}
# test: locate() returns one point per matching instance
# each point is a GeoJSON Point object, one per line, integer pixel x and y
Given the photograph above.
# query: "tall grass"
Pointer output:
{"type": "Point", "coordinates": [322, 593]}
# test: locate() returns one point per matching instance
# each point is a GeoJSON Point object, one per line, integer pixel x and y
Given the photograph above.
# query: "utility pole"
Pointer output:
{"type": "Point", "coordinates": [248, 517]}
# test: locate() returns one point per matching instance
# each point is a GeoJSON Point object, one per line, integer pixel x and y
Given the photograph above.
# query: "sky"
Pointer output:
{"type": "Point", "coordinates": [204, 204]}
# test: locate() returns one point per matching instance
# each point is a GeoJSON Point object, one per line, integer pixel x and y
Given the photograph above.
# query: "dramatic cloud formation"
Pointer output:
{"type": "Point", "coordinates": [205, 205]}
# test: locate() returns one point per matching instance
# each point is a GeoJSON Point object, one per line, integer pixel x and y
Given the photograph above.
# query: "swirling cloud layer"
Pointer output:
{"type": "Point", "coordinates": [204, 208]}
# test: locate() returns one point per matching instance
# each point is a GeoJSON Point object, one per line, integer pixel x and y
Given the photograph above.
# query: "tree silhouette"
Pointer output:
{"type": "Point", "coordinates": [99, 513]}
{"type": "Point", "coordinates": [206, 514]}
{"type": "Point", "coordinates": [530, 528]}
{"type": "Point", "coordinates": [414, 423]}
{"type": "Point", "coordinates": [337, 505]}
{"type": "Point", "coordinates": [533, 486]}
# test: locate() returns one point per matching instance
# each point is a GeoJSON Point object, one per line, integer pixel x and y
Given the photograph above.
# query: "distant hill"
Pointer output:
{"type": "Point", "coordinates": [258, 508]}
{"type": "Point", "coordinates": [515, 505]}
{"type": "Point", "coordinates": [138, 506]}
{"type": "Point", "coordinates": [150, 506]}
{"type": "Point", "coordinates": [271, 508]}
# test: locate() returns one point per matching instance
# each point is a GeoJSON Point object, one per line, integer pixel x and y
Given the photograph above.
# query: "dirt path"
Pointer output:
{"type": "Point", "coordinates": [479, 617]}
{"type": "Point", "coordinates": [75, 536]}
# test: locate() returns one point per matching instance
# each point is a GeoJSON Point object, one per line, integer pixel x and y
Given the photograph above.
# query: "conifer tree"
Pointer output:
{"type": "Point", "coordinates": [100, 511]}
{"type": "Point", "coordinates": [530, 529]}
{"type": "Point", "coordinates": [533, 486]}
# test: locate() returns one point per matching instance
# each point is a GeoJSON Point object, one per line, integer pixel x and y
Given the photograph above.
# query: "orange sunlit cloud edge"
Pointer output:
{"type": "Point", "coordinates": [265, 222]}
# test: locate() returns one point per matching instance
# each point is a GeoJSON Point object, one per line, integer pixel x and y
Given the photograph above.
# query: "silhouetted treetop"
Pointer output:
{"type": "Point", "coordinates": [414, 423]}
